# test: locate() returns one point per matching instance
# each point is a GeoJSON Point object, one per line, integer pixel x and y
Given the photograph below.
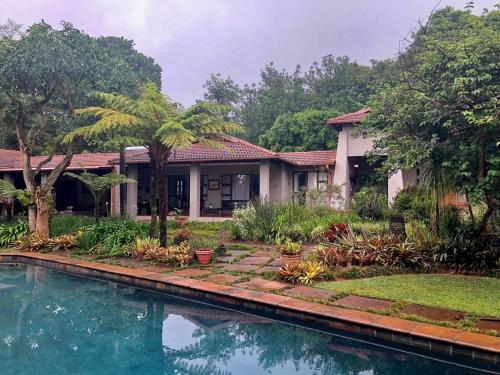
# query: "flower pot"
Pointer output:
{"type": "Point", "coordinates": [180, 221]}
{"type": "Point", "coordinates": [291, 258]}
{"type": "Point", "coordinates": [204, 255]}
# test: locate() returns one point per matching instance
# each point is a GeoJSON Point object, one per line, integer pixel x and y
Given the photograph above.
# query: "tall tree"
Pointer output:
{"type": "Point", "coordinates": [439, 108]}
{"type": "Point", "coordinates": [99, 185]}
{"type": "Point", "coordinates": [43, 76]}
{"type": "Point", "coordinates": [159, 124]}
{"type": "Point", "coordinates": [302, 131]}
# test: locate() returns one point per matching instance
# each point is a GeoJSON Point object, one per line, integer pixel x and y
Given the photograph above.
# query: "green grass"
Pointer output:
{"type": "Point", "coordinates": [475, 295]}
{"type": "Point", "coordinates": [69, 224]}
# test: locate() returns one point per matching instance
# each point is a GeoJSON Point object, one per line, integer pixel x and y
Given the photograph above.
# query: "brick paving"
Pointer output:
{"type": "Point", "coordinates": [355, 302]}
{"type": "Point", "coordinates": [308, 292]}
{"type": "Point", "coordinates": [255, 260]}
{"type": "Point", "coordinates": [433, 313]}
{"type": "Point", "coordinates": [263, 285]}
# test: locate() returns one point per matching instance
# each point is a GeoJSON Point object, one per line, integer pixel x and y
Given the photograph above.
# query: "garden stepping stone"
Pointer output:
{"type": "Point", "coordinates": [307, 292]}
{"type": "Point", "coordinates": [488, 324]}
{"type": "Point", "coordinates": [255, 260]}
{"type": "Point", "coordinates": [356, 302]}
{"type": "Point", "coordinates": [226, 259]}
{"type": "Point", "coordinates": [223, 279]}
{"type": "Point", "coordinates": [433, 313]}
{"type": "Point", "coordinates": [267, 269]}
{"type": "Point", "coordinates": [276, 263]}
{"type": "Point", "coordinates": [237, 253]}
{"type": "Point", "coordinates": [240, 267]}
{"type": "Point", "coordinates": [261, 254]}
{"type": "Point", "coordinates": [191, 272]}
{"type": "Point", "coordinates": [263, 285]}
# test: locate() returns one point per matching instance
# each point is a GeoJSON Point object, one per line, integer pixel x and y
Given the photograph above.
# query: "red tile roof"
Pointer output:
{"type": "Point", "coordinates": [309, 158]}
{"type": "Point", "coordinates": [12, 160]}
{"type": "Point", "coordinates": [349, 118]}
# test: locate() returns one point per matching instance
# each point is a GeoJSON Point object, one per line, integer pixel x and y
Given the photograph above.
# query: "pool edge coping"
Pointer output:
{"type": "Point", "coordinates": [426, 336]}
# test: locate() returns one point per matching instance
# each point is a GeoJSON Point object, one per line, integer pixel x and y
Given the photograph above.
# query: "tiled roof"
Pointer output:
{"type": "Point", "coordinates": [233, 149]}
{"type": "Point", "coordinates": [349, 118]}
{"type": "Point", "coordinates": [12, 160]}
{"type": "Point", "coordinates": [309, 158]}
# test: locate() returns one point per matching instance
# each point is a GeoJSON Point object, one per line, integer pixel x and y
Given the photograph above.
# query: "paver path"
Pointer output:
{"type": "Point", "coordinates": [263, 285]}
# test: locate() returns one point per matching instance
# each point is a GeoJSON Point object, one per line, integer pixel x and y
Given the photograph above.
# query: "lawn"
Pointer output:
{"type": "Point", "coordinates": [478, 295]}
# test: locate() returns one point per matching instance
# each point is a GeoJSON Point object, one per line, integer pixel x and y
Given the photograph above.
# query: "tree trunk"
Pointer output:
{"type": "Point", "coordinates": [153, 188]}
{"type": "Point", "coordinates": [491, 206]}
{"type": "Point", "coordinates": [123, 191]}
{"type": "Point", "coordinates": [162, 185]}
{"type": "Point", "coordinates": [32, 218]}
{"type": "Point", "coordinates": [42, 213]}
{"type": "Point", "coordinates": [97, 207]}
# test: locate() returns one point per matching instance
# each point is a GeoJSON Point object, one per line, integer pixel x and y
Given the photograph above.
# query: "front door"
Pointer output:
{"type": "Point", "coordinates": [178, 192]}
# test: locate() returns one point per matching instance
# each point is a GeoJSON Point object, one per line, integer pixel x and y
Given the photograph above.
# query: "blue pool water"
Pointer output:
{"type": "Point", "coordinates": [56, 323]}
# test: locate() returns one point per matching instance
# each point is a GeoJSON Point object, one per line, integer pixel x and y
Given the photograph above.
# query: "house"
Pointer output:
{"type": "Point", "coordinates": [204, 181]}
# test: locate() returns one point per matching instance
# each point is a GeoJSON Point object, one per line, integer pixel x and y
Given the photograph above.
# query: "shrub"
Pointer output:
{"type": "Point", "coordinates": [414, 203]}
{"type": "Point", "coordinates": [304, 272]}
{"type": "Point", "coordinates": [370, 228]}
{"type": "Point", "coordinates": [242, 225]}
{"type": "Point", "coordinates": [449, 222]}
{"type": "Point", "coordinates": [68, 224]}
{"type": "Point", "coordinates": [33, 242]}
{"type": "Point", "coordinates": [142, 245]}
{"type": "Point", "coordinates": [10, 232]}
{"type": "Point", "coordinates": [369, 203]}
{"type": "Point", "coordinates": [334, 231]}
{"type": "Point", "coordinates": [182, 235]}
{"type": "Point", "coordinates": [111, 237]}
{"type": "Point", "coordinates": [290, 247]}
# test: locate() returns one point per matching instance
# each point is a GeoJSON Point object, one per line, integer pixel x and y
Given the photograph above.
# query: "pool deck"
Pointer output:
{"type": "Point", "coordinates": [421, 336]}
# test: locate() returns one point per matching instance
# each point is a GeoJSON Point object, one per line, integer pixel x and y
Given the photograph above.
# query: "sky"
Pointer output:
{"type": "Point", "coordinates": [191, 39]}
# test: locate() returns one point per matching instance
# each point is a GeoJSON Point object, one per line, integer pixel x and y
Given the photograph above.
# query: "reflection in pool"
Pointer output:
{"type": "Point", "coordinates": [55, 323]}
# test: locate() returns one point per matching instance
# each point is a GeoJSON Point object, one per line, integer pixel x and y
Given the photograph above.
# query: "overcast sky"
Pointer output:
{"type": "Point", "coordinates": [192, 38]}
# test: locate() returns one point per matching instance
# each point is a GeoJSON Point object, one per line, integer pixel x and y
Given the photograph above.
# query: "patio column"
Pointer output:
{"type": "Point", "coordinates": [341, 174]}
{"type": "Point", "coordinates": [395, 183]}
{"type": "Point", "coordinates": [132, 172]}
{"type": "Point", "coordinates": [194, 191]}
{"type": "Point", "coordinates": [115, 197]}
{"type": "Point", "coordinates": [264, 179]}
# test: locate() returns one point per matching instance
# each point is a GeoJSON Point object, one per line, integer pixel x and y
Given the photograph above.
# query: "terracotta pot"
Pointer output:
{"type": "Point", "coordinates": [180, 220]}
{"type": "Point", "coordinates": [204, 255]}
{"type": "Point", "coordinates": [291, 258]}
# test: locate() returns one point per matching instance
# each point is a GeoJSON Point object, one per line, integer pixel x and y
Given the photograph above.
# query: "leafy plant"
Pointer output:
{"type": "Point", "coordinates": [414, 202]}
{"type": "Point", "coordinates": [304, 272]}
{"type": "Point", "coordinates": [203, 243]}
{"type": "Point", "coordinates": [142, 246]}
{"type": "Point", "coordinates": [369, 203]}
{"type": "Point", "coordinates": [10, 232]}
{"type": "Point", "coordinates": [290, 248]}
{"type": "Point", "coordinates": [334, 231]}
{"type": "Point", "coordinates": [68, 224]}
{"type": "Point", "coordinates": [182, 235]}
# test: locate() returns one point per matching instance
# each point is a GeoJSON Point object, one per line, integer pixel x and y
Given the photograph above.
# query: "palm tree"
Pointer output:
{"type": "Point", "coordinates": [98, 185]}
{"type": "Point", "coordinates": [160, 125]}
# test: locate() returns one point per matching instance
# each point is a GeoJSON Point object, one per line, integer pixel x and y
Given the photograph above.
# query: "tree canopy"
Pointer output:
{"type": "Point", "coordinates": [439, 107]}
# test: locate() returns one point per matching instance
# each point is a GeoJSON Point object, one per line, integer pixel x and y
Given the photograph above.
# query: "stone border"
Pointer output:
{"type": "Point", "coordinates": [423, 337]}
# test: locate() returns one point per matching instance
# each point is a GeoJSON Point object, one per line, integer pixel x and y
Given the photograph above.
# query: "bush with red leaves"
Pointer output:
{"type": "Point", "coordinates": [334, 231]}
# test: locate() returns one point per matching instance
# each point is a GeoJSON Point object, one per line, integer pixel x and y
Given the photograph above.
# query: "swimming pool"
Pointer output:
{"type": "Point", "coordinates": [57, 323]}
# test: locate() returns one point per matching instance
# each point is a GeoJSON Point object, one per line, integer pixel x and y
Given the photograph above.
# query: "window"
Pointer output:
{"type": "Point", "coordinates": [322, 181]}
{"type": "Point", "coordinates": [226, 187]}
{"type": "Point", "coordinates": [241, 187]}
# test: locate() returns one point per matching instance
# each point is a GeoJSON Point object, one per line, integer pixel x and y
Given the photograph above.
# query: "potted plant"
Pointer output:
{"type": "Point", "coordinates": [291, 252]}
{"type": "Point", "coordinates": [179, 218]}
{"type": "Point", "coordinates": [204, 249]}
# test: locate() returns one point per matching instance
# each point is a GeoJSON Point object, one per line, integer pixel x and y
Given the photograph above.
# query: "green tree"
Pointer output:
{"type": "Point", "coordinates": [99, 185]}
{"type": "Point", "coordinates": [302, 131]}
{"type": "Point", "coordinates": [439, 108]}
{"type": "Point", "coordinates": [44, 75]}
{"type": "Point", "coordinates": [157, 123]}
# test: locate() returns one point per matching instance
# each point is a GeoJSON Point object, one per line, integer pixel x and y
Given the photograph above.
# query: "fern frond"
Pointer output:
{"type": "Point", "coordinates": [172, 134]}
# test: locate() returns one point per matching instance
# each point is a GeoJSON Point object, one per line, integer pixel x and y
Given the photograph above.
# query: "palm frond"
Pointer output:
{"type": "Point", "coordinates": [172, 134]}
{"type": "Point", "coordinates": [7, 190]}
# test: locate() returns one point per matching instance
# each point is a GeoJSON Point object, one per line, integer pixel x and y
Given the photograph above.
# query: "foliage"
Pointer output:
{"type": "Point", "coordinates": [35, 242]}
{"type": "Point", "coordinates": [203, 243]}
{"type": "Point", "coordinates": [68, 224]}
{"type": "Point", "coordinates": [10, 232]}
{"type": "Point", "coordinates": [98, 185]}
{"type": "Point", "coordinates": [370, 228]}
{"type": "Point", "coordinates": [142, 246]}
{"type": "Point", "coordinates": [160, 125]}
{"type": "Point", "coordinates": [438, 110]}
{"type": "Point", "coordinates": [181, 235]}
{"type": "Point", "coordinates": [467, 253]}
{"type": "Point", "coordinates": [461, 293]}
{"type": "Point", "coordinates": [150, 249]}
{"type": "Point", "coordinates": [301, 131]}
{"type": "Point", "coordinates": [334, 231]}
{"type": "Point", "coordinates": [111, 237]}
{"type": "Point", "coordinates": [414, 202]}
{"type": "Point", "coordinates": [304, 272]}
{"type": "Point", "coordinates": [449, 222]}
{"type": "Point", "coordinates": [386, 250]}
{"type": "Point", "coordinates": [277, 222]}
{"type": "Point", "coordinates": [369, 203]}
{"type": "Point", "coordinates": [290, 248]}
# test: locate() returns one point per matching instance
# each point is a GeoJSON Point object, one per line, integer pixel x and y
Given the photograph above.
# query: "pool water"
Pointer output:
{"type": "Point", "coordinates": [57, 323]}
